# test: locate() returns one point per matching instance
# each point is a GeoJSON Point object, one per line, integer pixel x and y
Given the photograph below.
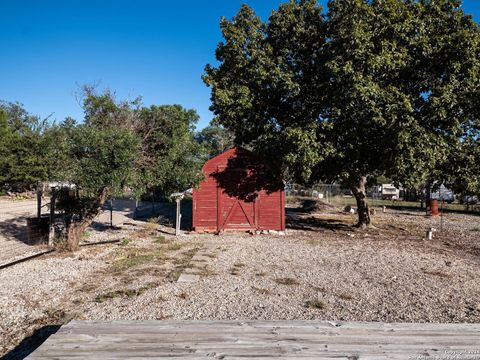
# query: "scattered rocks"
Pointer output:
{"type": "Point", "coordinates": [269, 232]}
{"type": "Point", "coordinates": [388, 276]}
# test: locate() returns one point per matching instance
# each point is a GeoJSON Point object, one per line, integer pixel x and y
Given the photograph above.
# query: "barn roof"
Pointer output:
{"type": "Point", "coordinates": [230, 153]}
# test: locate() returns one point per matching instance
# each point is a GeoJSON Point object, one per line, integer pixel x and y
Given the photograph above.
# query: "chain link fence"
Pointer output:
{"type": "Point", "coordinates": [24, 223]}
{"type": "Point", "coordinates": [339, 196]}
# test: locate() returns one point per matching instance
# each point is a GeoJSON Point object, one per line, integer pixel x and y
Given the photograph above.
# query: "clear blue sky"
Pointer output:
{"type": "Point", "coordinates": [156, 49]}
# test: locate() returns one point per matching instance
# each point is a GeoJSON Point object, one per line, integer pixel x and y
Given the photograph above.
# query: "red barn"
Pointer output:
{"type": "Point", "coordinates": [237, 195]}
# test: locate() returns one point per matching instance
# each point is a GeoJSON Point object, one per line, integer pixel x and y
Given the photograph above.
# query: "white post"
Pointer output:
{"type": "Point", "coordinates": [178, 218]}
{"type": "Point", "coordinates": [430, 233]}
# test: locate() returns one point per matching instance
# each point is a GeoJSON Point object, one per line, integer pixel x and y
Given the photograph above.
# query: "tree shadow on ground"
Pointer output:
{"type": "Point", "coordinates": [165, 212]}
{"type": "Point", "coordinates": [15, 229]}
{"type": "Point", "coordinates": [104, 226]}
{"type": "Point", "coordinates": [298, 219]}
{"type": "Point", "coordinates": [31, 343]}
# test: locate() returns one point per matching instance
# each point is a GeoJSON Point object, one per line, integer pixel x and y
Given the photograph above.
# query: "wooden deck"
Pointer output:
{"type": "Point", "coordinates": [260, 340]}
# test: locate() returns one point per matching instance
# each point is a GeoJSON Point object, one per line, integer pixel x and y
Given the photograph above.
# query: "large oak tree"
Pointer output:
{"type": "Point", "coordinates": [365, 89]}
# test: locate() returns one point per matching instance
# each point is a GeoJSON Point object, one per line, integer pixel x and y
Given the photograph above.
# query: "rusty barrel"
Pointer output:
{"type": "Point", "coordinates": [434, 207]}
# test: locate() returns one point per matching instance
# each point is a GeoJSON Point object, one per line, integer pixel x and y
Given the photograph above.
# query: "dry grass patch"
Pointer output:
{"type": "Point", "coordinates": [136, 258]}
{"type": "Point", "coordinates": [236, 269]}
{"type": "Point", "coordinates": [88, 287]}
{"type": "Point", "coordinates": [262, 290]}
{"type": "Point", "coordinates": [132, 261]}
{"type": "Point", "coordinates": [175, 246]}
{"type": "Point", "coordinates": [175, 273]}
{"type": "Point", "coordinates": [183, 295]}
{"type": "Point", "coordinates": [180, 263]}
{"type": "Point", "coordinates": [160, 240]}
{"type": "Point", "coordinates": [287, 281]}
{"type": "Point", "coordinates": [151, 270]}
{"type": "Point", "coordinates": [143, 233]}
{"type": "Point", "coordinates": [205, 272]}
{"type": "Point", "coordinates": [346, 297]}
{"type": "Point", "coordinates": [189, 253]}
{"type": "Point", "coordinates": [319, 288]}
{"type": "Point", "coordinates": [437, 273]}
{"type": "Point", "coordinates": [315, 304]}
{"type": "Point", "coordinates": [123, 293]}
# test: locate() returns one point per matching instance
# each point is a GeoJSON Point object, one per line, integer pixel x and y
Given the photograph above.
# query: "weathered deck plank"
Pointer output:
{"type": "Point", "coordinates": [259, 340]}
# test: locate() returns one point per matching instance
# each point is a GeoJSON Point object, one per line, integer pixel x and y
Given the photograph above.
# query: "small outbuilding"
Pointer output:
{"type": "Point", "coordinates": [237, 194]}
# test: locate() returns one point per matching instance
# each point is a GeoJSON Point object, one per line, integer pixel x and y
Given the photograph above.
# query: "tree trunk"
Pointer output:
{"type": "Point", "coordinates": [359, 191]}
{"type": "Point", "coordinates": [76, 229]}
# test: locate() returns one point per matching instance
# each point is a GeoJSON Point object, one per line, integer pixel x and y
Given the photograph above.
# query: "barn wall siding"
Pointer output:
{"type": "Point", "coordinates": [225, 201]}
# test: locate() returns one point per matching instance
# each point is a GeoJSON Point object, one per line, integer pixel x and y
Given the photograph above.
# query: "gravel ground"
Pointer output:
{"type": "Point", "coordinates": [322, 269]}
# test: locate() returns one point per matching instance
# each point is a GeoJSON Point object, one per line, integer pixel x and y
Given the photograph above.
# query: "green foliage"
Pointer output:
{"type": "Point", "coordinates": [102, 158]}
{"type": "Point", "coordinates": [24, 148]}
{"type": "Point", "coordinates": [161, 240]}
{"type": "Point", "coordinates": [121, 145]}
{"type": "Point", "coordinates": [171, 158]}
{"type": "Point", "coordinates": [216, 139]}
{"type": "Point", "coordinates": [100, 163]}
{"type": "Point", "coordinates": [102, 110]}
{"type": "Point", "coordinates": [367, 89]}
{"type": "Point", "coordinates": [462, 170]}
{"type": "Point", "coordinates": [5, 142]}
{"type": "Point", "coordinates": [266, 89]}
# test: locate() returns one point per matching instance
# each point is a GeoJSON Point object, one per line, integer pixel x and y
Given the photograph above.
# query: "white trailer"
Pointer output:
{"type": "Point", "coordinates": [390, 192]}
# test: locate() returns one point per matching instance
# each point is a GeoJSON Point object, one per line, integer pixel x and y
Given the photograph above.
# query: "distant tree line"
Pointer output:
{"type": "Point", "coordinates": [366, 88]}
{"type": "Point", "coordinates": [119, 145]}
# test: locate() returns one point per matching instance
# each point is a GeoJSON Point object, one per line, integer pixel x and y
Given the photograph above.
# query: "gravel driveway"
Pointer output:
{"type": "Point", "coordinates": [323, 269]}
